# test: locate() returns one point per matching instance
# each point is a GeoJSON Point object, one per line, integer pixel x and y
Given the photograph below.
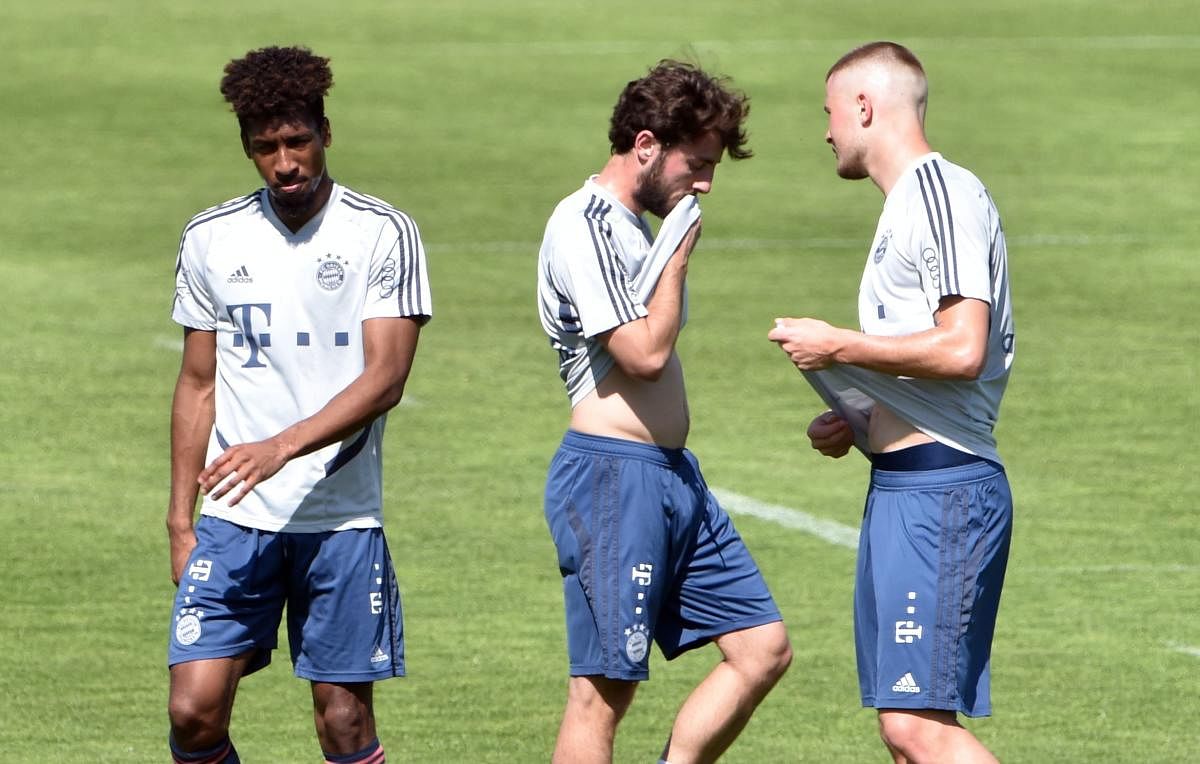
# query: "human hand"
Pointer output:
{"type": "Point", "coordinates": [243, 466]}
{"type": "Point", "coordinates": [831, 435]}
{"type": "Point", "coordinates": [809, 342]}
{"type": "Point", "coordinates": [688, 242]}
{"type": "Point", "coordinates": [182, 544]}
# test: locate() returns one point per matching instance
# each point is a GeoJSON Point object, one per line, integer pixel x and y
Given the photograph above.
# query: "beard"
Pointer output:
{"type": "Point", "coordinates": [652, 193]}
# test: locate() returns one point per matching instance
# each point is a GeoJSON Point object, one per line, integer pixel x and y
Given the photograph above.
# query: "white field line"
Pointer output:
{"type": "Point", "coordinates": [770, 245]}
{"type": "Point", "coordinates": [1185, 649]}
{"type": "Point", "coordinates": [526, 48]}
{"type": "Point", "coordinates": [826, 530]}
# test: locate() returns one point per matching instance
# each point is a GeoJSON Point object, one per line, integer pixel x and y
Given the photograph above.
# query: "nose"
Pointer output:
{"type": "Point", "coordinates": [703, 181]}
{"type": "Point", "coordinates": [829, 137]}
{"type": "Point", "coordinates": [285, 164]}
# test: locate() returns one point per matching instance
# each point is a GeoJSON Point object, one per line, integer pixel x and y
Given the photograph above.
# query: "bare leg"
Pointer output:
{"type": "Point", "coordinates": [344, 715]}
{"type": "Point", "coordinates": [717, 710]}
{"type": "Point", "coordinates": [915, 737]}
{"type": "Point", "coordinates": [201, 700]}
{"type": "Point", "coordinates": [595, 706]}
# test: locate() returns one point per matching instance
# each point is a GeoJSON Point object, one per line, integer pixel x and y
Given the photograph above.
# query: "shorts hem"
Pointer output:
{"type": "Point", "coordinates": [623, 676]}
{"type": "Point", "coordinates": [223, 652]}
{"type": "Point", "coordinates": [918, 705]}
{"type": "Point", "coordinates": [708, 635]}
{"type": "Point", "coordinates": [348, 677]}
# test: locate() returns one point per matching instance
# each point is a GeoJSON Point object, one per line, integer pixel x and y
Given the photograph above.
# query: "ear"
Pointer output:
{"type": "Point", "coordinates": [645, 146]}
{"type": "Point", "coordinates": [326, 133]}
{"type": "Point", "coordinates": [865, 110]}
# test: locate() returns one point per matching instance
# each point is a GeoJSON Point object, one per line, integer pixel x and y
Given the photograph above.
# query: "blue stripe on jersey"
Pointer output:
{"type": "Point", "coordinates": [607, 258]}
{"type": "Point", "coordinates": [349, 452]}
{"type": "Point", "coordinates": [212, 213]}
{"type": "Point", "coordinates": [408, 296]}
{"type": "Point", "coordinates": [934, 227]}
{"type": "Point", "coordinates": [410, 263]}
{"type": "Point", "coordinates": [953, 272]}
{"type": "Point", "coordinates": [220, 438]}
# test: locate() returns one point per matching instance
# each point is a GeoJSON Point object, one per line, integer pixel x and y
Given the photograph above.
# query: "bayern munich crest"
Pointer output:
{"type": "Point", "coordinates": [187, 629]}
{"type": "Point", "coordinates": [636, 643]}
{"type": "Point", "coordinates": [883, 244]}
{"type": "Point", "coordinates": [331, 272]}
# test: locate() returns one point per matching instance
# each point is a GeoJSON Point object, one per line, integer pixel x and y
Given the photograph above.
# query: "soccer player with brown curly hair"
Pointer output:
{"type": "Point", "coordinates": [301, 304]}
{"type": "Point", "coordinates": [645, 550]}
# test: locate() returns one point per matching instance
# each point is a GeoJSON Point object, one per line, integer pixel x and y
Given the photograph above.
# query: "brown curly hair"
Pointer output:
{"type": "Point", "coordinates": [277, 83]}
{"type": "Point", "coordinates": [679, 102]}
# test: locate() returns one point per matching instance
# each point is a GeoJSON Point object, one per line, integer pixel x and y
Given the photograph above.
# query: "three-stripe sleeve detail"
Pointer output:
{"type": "Point", "coordinates": [941, 224]}
{"type": "Point", "coordinates": [606, 258]}
{"type": "Point", "coordinates": [409, 294]}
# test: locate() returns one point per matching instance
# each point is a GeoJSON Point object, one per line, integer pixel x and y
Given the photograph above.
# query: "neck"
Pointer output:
{"type": "Point", "coordinates": [620, 178]}
{"type": "Point", "coordinates": [295, 218]}
{"type": "Point", "coordinates": [896, 154]}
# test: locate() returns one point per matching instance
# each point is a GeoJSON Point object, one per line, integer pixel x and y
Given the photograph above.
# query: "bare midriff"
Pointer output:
{"type": "Point", "coordinates": [638, 410]}
{"type": "Point", "coordinates": [888, 432]}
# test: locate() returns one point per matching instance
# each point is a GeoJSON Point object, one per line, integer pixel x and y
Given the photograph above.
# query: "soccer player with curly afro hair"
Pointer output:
{"type": "Point", "coordinates": [301, 304]}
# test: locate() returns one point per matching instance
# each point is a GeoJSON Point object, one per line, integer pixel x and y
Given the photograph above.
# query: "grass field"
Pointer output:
{"type": "Point", "coordinates": [476, 117]}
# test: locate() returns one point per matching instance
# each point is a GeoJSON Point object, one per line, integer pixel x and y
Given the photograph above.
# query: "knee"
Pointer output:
{"type": "Point", "coordinates": [344, 723]}
{"type": "Point", "coordinates": [769, 656]}
{"type": "Point", "coordinates": [600, 698]}
{"type": "Point", "coordinates": [195, 723]}
{"type": "Point", "coordinates": [910, 733]}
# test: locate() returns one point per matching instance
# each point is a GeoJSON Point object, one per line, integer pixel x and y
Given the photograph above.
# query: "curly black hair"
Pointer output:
{"type": "Point", "coordinates": [679, 102]}
{"type": "Point", "coordinates": [277, 83]}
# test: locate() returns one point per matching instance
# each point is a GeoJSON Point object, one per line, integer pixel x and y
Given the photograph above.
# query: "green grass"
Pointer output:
{"type": "Point", "coordinates": [476, 117]}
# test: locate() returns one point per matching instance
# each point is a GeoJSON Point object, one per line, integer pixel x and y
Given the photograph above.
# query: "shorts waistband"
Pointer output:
{"type": "Point", "coordinates": [965, 473]}
{"type": "Point", "coordinates": [630, 449]}
{"type": "Point", "coordinates": [924, 456]}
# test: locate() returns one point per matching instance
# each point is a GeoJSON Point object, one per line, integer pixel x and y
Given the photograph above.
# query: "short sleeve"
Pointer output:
{"type": "Point", "coordinates": [951, 238]}
{"type": "Point", "coordinates": [193, 305]}
{"type": "Point", "coordinates": [398, 285]}
{"type": "Point", "coordinates": [586, 262]}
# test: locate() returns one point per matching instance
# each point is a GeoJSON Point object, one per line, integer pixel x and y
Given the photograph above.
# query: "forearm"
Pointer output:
{"type": "Point", "coordinates": [193, 411]}
{"type": "Point", "coordinates": [362, 401]}
{"type": "Point", "coordinates": [930, 354]}
{"type": "Point", "coordinates": [643, 348]}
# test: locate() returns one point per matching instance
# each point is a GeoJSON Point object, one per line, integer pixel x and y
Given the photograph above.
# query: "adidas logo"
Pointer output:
{"type": "Point", "coordinates": [379, 656]}
{"type": "Point", "coordinates": [906, 683]}
{"type": "Point", "coordinates": [240, 276]}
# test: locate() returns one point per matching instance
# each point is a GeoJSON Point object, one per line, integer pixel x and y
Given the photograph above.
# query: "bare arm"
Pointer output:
{"type": "Point", "coordinates": [389, 345]}
{"type": "Point", "coordinates": [193, 410]}
{"type": "Point", "coordinates": [643, 347]}
{"type": "Point", "coordinates": [955, 348]}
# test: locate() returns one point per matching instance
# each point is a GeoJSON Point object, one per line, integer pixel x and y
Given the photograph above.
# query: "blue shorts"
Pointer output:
{"type": "Point", "coordinates": [343, 605]}
{"type": "Point", "coordinates": [646, 553]}
{"type": "Point", "coordinates": [931, 560]}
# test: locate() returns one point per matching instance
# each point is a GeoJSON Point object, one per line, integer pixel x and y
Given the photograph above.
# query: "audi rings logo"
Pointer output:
{"type": "Point", "coordinates": [931, 265]}
{"type": "Point", "coordinates": [387, 278]}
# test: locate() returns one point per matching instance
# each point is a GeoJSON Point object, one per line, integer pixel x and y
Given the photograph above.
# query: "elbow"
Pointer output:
{"type": "Point", "coordinates": [967, 365]}
{"type": "Point", "coordinates": [390, 396]}
{"type": "Point", "coordinates": [647, 368]}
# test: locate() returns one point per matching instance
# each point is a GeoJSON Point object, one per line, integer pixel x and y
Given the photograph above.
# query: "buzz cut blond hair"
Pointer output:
{"type": "Point", "coordinates": [882, 52]}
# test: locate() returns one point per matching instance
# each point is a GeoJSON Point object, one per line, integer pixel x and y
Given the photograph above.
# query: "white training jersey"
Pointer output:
{"type": "Point", "coordinates": [287, 309]}
{"type": "Point", "coordinates": [585, 281]}
{"type": "Point", "coordinates": [939, 235]}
